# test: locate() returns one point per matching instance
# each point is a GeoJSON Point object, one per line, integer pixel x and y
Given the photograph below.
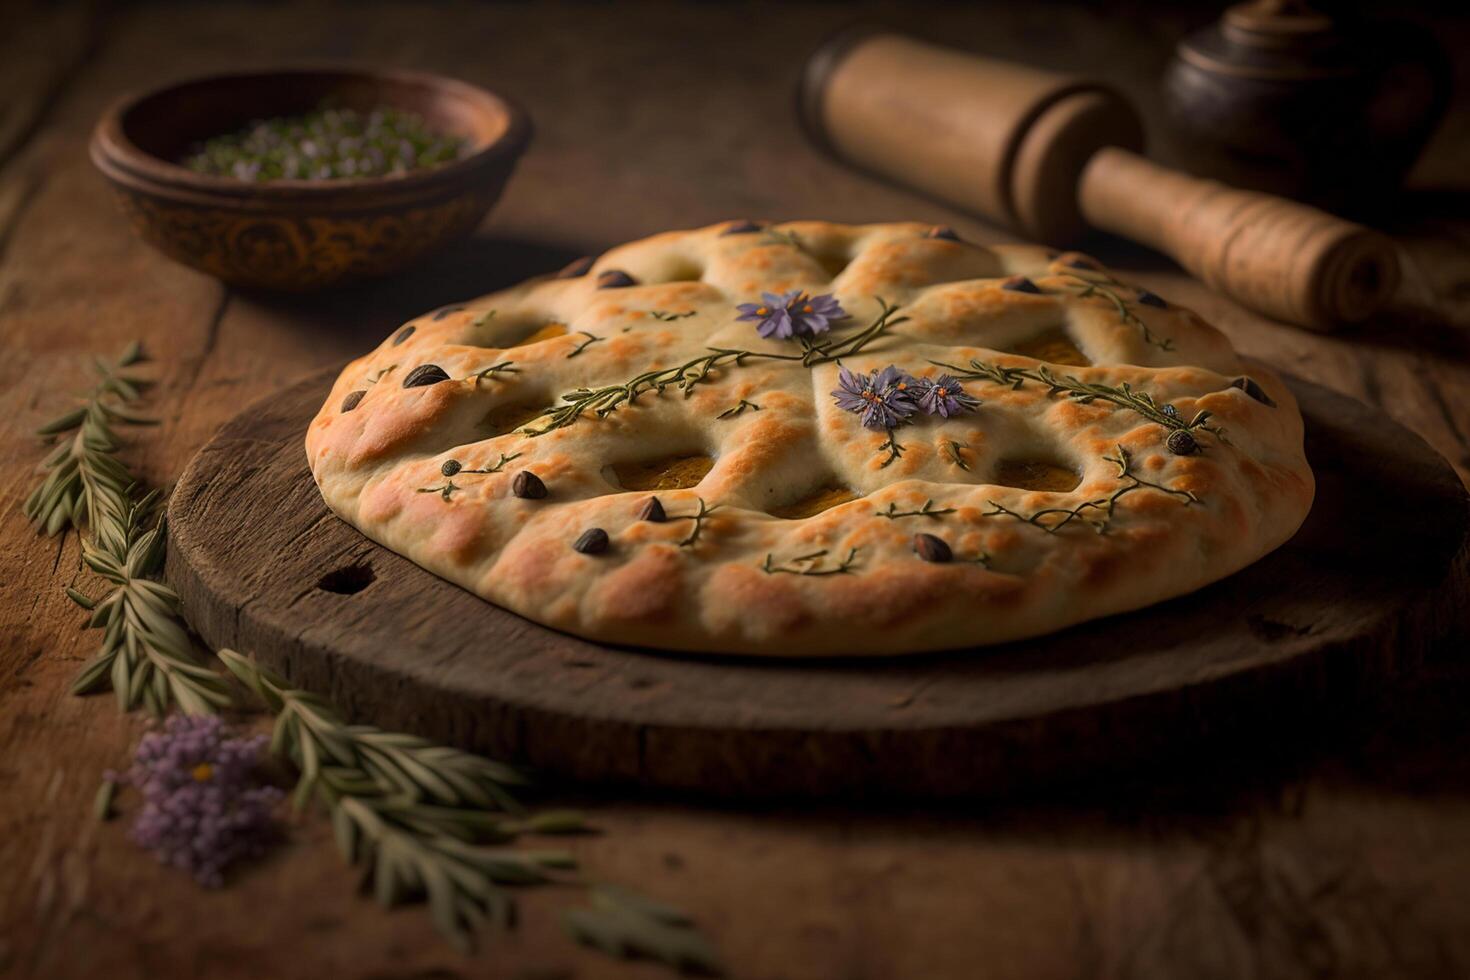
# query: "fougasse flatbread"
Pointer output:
{"type": "Point", "coordinates": [815, 439]}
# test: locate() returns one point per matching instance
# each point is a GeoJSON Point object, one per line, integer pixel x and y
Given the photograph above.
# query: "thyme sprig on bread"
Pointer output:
{"type": "Point", "coordinates": [603, 401]}
{"type": "Point", "coordinates": [1123, 396]}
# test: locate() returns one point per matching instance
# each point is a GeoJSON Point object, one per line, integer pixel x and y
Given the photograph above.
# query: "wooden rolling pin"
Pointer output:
{"type": "Point", "coordinates": [1049, 155]}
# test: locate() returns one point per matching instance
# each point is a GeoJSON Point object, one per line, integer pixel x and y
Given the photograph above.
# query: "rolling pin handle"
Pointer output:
{"type": "Point", "coordinates": [1049, 154]}
{"type": "Point", "coordinates": [1284, 259]}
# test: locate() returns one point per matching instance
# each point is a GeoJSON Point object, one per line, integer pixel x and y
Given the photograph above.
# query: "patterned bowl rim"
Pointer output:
{"type": "Point", "coordinates": [122, 161]}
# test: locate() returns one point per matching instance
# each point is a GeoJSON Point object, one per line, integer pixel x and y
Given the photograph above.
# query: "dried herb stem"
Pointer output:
{"type": "Point", "coordinates": [444, 491]}
{"type": "Point", "coordinates": [735, 410]}
{"type": "Point", "coordinates": [490, 373]}
{"type": "Point", "coordinates": [592, 338]}
{"type": "Point", "coordinates": [774, 236]}
{"type": "Point", "coordinates": [928, 510]}
{"type": "Point", "coordinates": [809, 564]}
{"type": "Point", "coordinates": [1087, 288]}
{"type": "Point", "coordinates": [415, 816]}
{"type": "Point", "coordinates": [1053, 519]}
{"type": "Point", "coordinates": [698, 517]}
{"type": "Point", "coordinates": [146, 655]}
{"type": "Point", "coordinates": [894, 448]}
{"type": "Point", "coordinates": [85, 464]}
{"type": "Point", "coordinates": [607, 399]}
{"type": "Point", "coordinates": [412, 814]}
{"type": "Point", "coordinates": [499, 464]}
{"type": "Point", "coordinates": [622, 923]}
{"type": "Point", "coordinates": [952, 451]}
{"type": "Point", "coordinates": [1122, 396]}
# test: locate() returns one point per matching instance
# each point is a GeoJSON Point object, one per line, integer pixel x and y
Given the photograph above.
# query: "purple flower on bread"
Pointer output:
{"type": "Point", "coordinates": [883, 398]}
{"type": "Point", "coordinates": [792, 314]}
{"type": "Point", "coordinates": [943, 396]}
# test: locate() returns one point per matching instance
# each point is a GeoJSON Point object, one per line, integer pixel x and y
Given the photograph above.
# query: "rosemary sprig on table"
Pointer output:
{"type": "Point", "coordinates": [411, 814]}
{"type": "Point", "coordinates": [146, 655]}
{"type": "Point", "coordinates": [1107, 505]}
{"type": "Point", "coordinates": [622, 923]}
{"type": "Point", "coordinates": [85, 464]}
{"type": "Point", "coordinates": [607, 399]}
{"type": "Point", "coordinates": [417, 817]}
{"type": "Point", "coordinates": [1086, 288]}
{"type": "Point", "coordinates": [1086, 392]}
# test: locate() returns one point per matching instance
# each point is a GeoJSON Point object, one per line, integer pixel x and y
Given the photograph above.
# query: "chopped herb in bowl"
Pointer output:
{"type": "Point", "coordinates": [327, 143]}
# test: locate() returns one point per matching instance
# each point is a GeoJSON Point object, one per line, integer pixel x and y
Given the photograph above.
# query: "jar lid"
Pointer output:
{"type": "Point", "coordinates": [1278, 40]}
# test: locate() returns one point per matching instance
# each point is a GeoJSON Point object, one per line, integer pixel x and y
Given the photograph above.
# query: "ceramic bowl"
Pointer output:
{"type": "Point", "coordinates": [296, 235]}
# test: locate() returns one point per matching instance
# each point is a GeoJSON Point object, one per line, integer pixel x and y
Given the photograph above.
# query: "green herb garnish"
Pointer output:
{"type": "Point", "coordinates": [592, 338]}
{"type": "Point", "coordinates": [327, 143]}
{"type": "Point", "coordinates": [504, 367]}
{"type": "Point", "coordinates": [411, 813]}
{"type": "Point", "coordinates": [623, 923]}
{"type": "Point", "coordinates": [698, 517]}
{"type": "Point", "coordinates": [416, 817]}
{"type": "Point", "coordinates": [928, 510]}
{"type": "Point", "coordinates": [809, 564]}
{"type": "Point", "coordinates": [603, 401]}
{"type": "Point", "coordinates": [1086, 288]}
{"type": "Point", "coordinates": [1053, 519]}
{"type": "Point", "coordinates": [735, 410]}
{"type": "Point", "coordinates": [1123, 396]}
{"type": "Point", "coordinates": [84, 465]}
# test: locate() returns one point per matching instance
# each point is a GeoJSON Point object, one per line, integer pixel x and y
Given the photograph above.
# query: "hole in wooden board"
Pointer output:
{"type": "Point", "coordinates": [813, 504]}
{"type": "Point", "coordinates": [668, 473]}
{"type": "Point", "coordinates": [348, 580]}
{"type": "Point", "coordinates": [1054, 347]}
{"type": "Point", "coordinates": [1036, 474]}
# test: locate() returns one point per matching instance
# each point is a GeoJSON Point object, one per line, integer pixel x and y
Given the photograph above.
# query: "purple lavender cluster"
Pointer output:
{"type": "Point", "coordinates": [886, 398]}
{"type": "Point", "coordinates": [793, 314]}
{"type": "Point", "coordinates": [203, 804]}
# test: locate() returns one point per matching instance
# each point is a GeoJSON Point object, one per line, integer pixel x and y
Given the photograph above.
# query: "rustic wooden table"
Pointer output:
{"type": "Point", "coordinates": [1345, 854]}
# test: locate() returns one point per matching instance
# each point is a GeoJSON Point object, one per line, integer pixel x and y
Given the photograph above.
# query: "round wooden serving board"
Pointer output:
{"type": "Point", "coordinates": [1354, 599]}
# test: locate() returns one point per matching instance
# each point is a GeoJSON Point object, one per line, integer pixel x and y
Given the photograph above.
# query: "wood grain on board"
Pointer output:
{"type": "Point", "coordinates": [261, 564]}
{"type": "Point", "coordinates": [1344, 851]}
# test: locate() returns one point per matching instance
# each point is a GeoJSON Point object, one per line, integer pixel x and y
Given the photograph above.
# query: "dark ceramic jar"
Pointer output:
{"type": "Point", "coordinates": [1282, 97]}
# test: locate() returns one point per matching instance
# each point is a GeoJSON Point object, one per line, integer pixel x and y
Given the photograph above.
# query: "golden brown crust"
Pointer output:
{"type": "Point", "coordinates": [779, 442]}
